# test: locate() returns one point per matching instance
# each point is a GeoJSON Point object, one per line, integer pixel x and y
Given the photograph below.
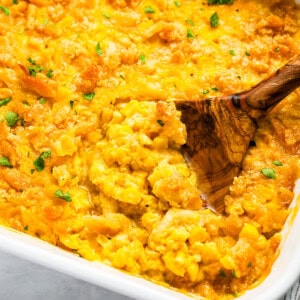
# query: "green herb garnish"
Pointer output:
{"type": "Point", "coordinates": [31, 60]}
{"type": "Point", "coordinates": [190, 34]}
{"type": "Point", "coordinates": [11, 118]}
{"type": "Point", "coordinates": [89, 96]}
{"type": "Point", "coordinates": [177, 3]}
{"type": "Point", "coordinates": [5, 101]}
{"type": "Point", "coordinates": [231, 52]}
{"type": "Point", "coordinates": [72, 104]}
{"type": "Point", "coordinates": [46, 21]}
{"type": "Point", "coordinates": [190, 22]}
{"type": "Point", "coordinates": [161, 123]}
{"type": "Point", "coordinates": [35, 68]}
{"type": "Point", "coordinates": [4, 161]}
{"type": "Point", "coordinates": [214, 20]}
{"type": "Point", "coordinates": [149, 10]}
{"type": "Point", "coordinates": [269, 172]}
{"type": "Point", "coordinates": [39, 163]}
{"type": "Point", "coordinates": [64, 196]}
{"type": "Point", "coordinates": [5, 10]}
{"type": "Point", "coordinates": [142, 58]}
{"type": "Point", "coordinates": [222, 273]}
{"type": "Point", "coordinates": [107, 16]}
{"type": "Point", "coordinates": [205, 92]}
{"type": "Point", "coordinates": [277, 163]}
{"type": "Point", "coordinates": [26, 227]}
{"type": "Point", "coordinates": [42, 100]}
{"type": "Point", "coordinates": [49, 73]}
{"type": "Point", "coordinates": [98, 49]}
{"type": "Point", "coordinates": [247, 53]}
{"type": "Point", "coordinates": [32, 71]}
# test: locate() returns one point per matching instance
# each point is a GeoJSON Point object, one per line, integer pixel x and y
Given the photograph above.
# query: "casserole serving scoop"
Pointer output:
{"type": "Point", "coordinates": [220, 129]}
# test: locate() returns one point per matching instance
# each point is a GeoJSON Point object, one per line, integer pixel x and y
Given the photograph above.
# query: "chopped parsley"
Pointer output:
{"type": "Point", "coordinates": [149, 10]}
{"type": "Point", "coordinates": [205, 92]}
{"type": "Point", "coordinates": [214, 20]}
{"type": "Point", "coordinates": [189, 34]}
{"type": "Point", "coordinates": [72, 104]}
{"type": "Point", "coordinates": [190, 22]}
{"type": "Point", "coordinates": [64, 196]}
{"type": "Point", "coordinates": [5, 101]}
{"type": "Point", "coordinates": [11, 118]}
{"type": "Point", "coordinates": [215, 89]}
{"type": "Point", "coordinates": [220, 1]}
{"type": "Point", "coordinates": [277, 163]}
{"type": "Point", "coordinates": [98, 49]}
{"type": "Point", "coordinates": [89, 96]}
{"type": "Point", "coordinates": [161, 122]}
{"type": "Point", "coordinates": [42, 100]}
{"type": "Point", "coordinates": [269, 173]}
{"type": "Point", "coordinates": [122, 76]}
{"type": "Point", "coordinates": [142, 58]}
{"type": "Point", "coordinates": [4, 161]}
{"type": "Point", "coordinates": [107, 16]}
{"type": "Point", "coordinates": [31, 60]}
{"type": "Point", "coordinates": [15, 2]}
{"type": "Point", "coordinates": [232, 52]}
{"type": "Point", "coordinates": [5, 10]}
{"type": "Point", "coordinates": [233, 274]}
{"type": "Point", "coordinates": [222, 273]}
{"type": "Point", "coordinates": [247, 53]}
{"type": "Point", "coordinates": [277, 49]}
{"type": "Point", "coordinates": [177, 3]}
{"type": "Point", "coordinates": [26, 227]}
{"type": "Point", "coordinates": [249, 265]}
{"type": "Point", "coordinates": [49, 73]}
{"type": "Point", "coordinates": [46, 21]}
{"type": "Point", "coordinates": [39, 163]}
{"type": "Point", "coordinates": [34, 69]}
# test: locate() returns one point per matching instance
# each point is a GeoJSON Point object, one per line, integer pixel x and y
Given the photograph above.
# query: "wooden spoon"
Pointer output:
{"type": "Point", "coordinates": [219, 131]}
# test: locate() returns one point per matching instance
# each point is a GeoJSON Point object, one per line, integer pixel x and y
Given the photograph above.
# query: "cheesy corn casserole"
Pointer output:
{"type": "Point", "coordinates": [90, 139]}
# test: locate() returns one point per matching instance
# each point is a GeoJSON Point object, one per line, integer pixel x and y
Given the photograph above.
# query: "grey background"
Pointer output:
{"type": "Point", "coordinates": [21, 279]}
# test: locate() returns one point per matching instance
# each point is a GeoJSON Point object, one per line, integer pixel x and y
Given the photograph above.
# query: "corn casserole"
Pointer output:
{"type": "Point", "coordinates": [90, 140]}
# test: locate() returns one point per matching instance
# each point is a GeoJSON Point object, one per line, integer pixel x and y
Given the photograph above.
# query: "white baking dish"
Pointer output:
{"type": "Point", "coordinates": [284, 272]}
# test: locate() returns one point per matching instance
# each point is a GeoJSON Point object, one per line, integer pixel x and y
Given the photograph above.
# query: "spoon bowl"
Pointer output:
{"type": "Point", "coordinates": [220, 129]}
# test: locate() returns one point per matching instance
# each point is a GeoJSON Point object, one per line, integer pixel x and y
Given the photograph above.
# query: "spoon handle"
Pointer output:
{"type": "Point", "coordinates": [267, 93]}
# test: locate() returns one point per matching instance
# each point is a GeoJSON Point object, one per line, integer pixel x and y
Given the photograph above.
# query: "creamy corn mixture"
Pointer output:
{"type": "Point", "coordinates": [90, 139]}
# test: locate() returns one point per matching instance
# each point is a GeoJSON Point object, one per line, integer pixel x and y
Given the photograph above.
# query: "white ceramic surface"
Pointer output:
{"type": "Point", "coordinates": [284, 272]}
